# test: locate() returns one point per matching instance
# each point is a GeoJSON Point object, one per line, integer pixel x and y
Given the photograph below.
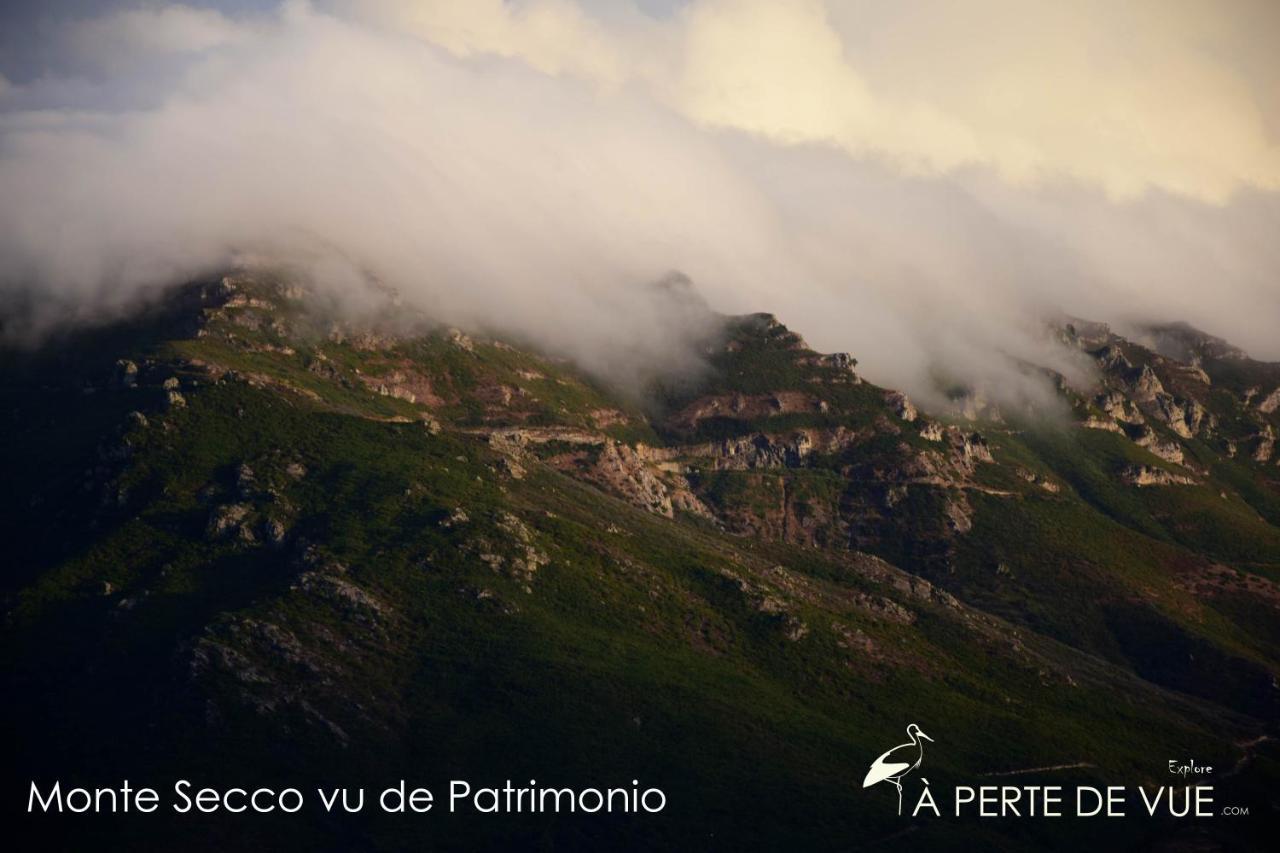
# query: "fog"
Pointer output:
{"type": "Point", "coordinates": [533, 167]}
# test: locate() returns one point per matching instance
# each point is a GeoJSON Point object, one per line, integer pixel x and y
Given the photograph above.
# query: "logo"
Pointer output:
{"type": "Point", "coordinates": [898, 762]}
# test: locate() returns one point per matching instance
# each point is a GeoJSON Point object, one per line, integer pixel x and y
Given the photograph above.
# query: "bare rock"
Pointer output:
{"type": "Point", "coordinates": [931, 431]}
{"type": "Point", "coordinates": [274, 531]}
{"type": "Point", "coordinates": [1183, 416]}
{"type": "Point", "coordinates": [901, 405]}
{"type": "Point", "coordinates": [1119, 407]}
{"type": "Point", "coordinates": [1270, 403]}
{"type": "Point", "coordinates": [621, 469]}
{"type": "Point", "coordinates": [1145, 385]}
{"type": "Point", "coordinates": [460, 340]}
{"type": "Point", "coordinates": [126, 374]}
{"type": "Point", "coordinates": [1145, 475]}
{"type": "Point", "coordinates": [456, 518]}
{"type": "Point", "coordinates": [227, 521]}
{"type": "Point", "coordinates": [1170, 451]}
{"type": "Point", "coordinates": [1265, 444]}
{"type": "Point", "coordinates": [1107, 424]}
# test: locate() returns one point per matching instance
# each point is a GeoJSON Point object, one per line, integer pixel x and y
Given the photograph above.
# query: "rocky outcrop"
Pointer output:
{"type": "Point", "coordinates": [1145, 385]}
{"type": "Point", "coordinates": [761, 451]}
{"type": "Point", "coordinates": [842, 362]}
{"type": "Point", "coordinates": [460, 339]}
{"type": "Point", "coordinates": [932, 431]}
{"type": "Point", "coordinates": [126, 374]}
{"type": "Point", "coordinates": [1170, 451]}
{"type": "Point", "coordinates": [1039, 480]}
{"type": "Point", "coordinates": [229, 521]}
{"type": "Point", "coordinates": [1264, 444]}
{"type": "Point", "coordinates": [1106, 424]}
{"type": "Point", "coordinates": [971, 447]}
{"type": "Point", "coordinates": [901, 405]}
{"type": "Point", "coordinates": [959, 512]}
{"type": "Point", "coordinates": [1112, 360]}
{"type": "Point", "coordinates": [403, 384]}
{"type": "Point", "coordinates": [526, 557]}
{"type": "Point", "coordinates": [1145, 475]}
{"type": "Point", "coordinates": [1184, 416]}
{"type": "Point", "coordinates": [620, 469]}
{"type": "Point", "coordinates": [1115, 404]}
{"type": "Point", "coordinates": [1270, 402]}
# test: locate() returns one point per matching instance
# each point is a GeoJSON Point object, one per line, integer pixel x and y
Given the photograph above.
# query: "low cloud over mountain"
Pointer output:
{"type": "Point", "coordinates": [532, 166]}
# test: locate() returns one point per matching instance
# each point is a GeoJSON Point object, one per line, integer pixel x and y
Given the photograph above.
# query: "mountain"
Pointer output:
{"type": "Point", "coordinates": [253, 543]}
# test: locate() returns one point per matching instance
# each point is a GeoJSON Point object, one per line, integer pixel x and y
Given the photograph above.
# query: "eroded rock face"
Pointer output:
{"type": "Point", "coordinates": [842, 362]}
{"type": "Point", "coordinates": [1270, 402]}
{"type": "Point", "coordinates": [126, 373]}
{"type": "Point", "coordinates": [1106, 424]}
{"type": "Point", "coordinates": [1264, 444]}
{"type": "Point", "coordinates": [1119, 407]}
{"type": "Point", "coordinates": [1168, 386]}
{"type": "Point", "coordinates": [274, 531]}
{"type": "Point", "coordinates": [1113, 361]}
{"type": "Point", "coordinates": [1145, 385]}
{"type": "Point", "coordinates": [1145, 475]}
{"type": "Point", "coordinates": [901, 405]}
{"type": "Point", "coordinates": [622, 470]}
{"type": "Point", "coordinates": [959, 512]}
{"type": "Point", "coordinates": [763, 451]}
{"type": "Point", "coordinates": [229, 520]}
{"type": "Point", "coordinates": [971, 447]}
{"type": "Point", "coordinates": [1170, 451]}
{"type": "Point", "coordinates": [932, 431]}
{"type": "Point", "coordinates": [1184, 416]}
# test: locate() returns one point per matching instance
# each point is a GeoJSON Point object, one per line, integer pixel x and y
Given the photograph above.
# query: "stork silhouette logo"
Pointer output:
{"type": "Point", "coordinates": [896, 763]}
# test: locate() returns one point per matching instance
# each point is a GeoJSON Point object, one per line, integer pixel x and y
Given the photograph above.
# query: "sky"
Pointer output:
{"type": "Point", "coordinates": [919, 182]}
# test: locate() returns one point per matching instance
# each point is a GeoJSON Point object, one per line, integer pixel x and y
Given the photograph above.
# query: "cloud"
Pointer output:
{"type": "Point", "coordinates": [532, 166]}
{"type": "Point", "coordinates": [553, 36]}
{"type": "Point", "coordinates": [129, 37]}
{"type": "Point", "coordinates": [1123, 97]}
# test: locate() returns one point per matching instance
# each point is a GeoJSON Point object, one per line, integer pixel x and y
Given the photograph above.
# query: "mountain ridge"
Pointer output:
{"type": "Point", "coordinates": [315, 537]}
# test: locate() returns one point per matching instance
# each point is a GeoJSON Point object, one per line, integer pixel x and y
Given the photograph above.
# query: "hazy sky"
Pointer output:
{"type": "Point", "coordinates": [915, 181]}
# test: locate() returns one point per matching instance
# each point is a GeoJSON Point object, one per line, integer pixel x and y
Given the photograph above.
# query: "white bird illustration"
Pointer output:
{"type": "Point", "coordinates": [896, 763]}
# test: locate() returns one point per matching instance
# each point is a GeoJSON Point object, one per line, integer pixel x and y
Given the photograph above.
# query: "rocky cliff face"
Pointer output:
{"type": "Point", "coordinates": [1189, 387]}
